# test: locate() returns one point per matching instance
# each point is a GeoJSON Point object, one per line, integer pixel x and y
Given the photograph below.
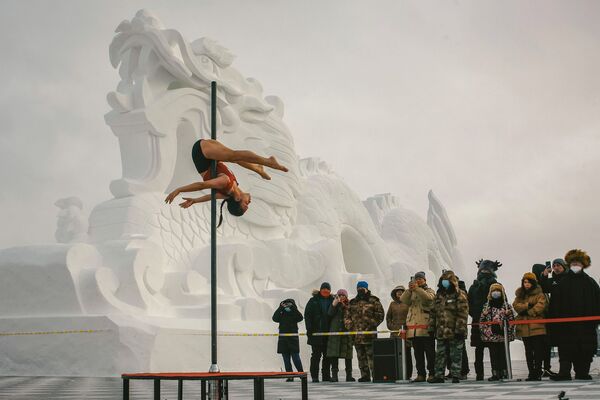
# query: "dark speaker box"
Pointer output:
{"type": "Point", "coordinates": [387, 360]}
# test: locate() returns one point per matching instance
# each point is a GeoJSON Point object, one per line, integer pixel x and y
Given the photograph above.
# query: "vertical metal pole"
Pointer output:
{"type": "Point", "coordinates": [507, 351]}
{"type": "Point", "coordinates": [125, 389]}
{"type": "Point", "coordinates": [213, 234]}
{"type": "Point", "coordinates": [403, 354]}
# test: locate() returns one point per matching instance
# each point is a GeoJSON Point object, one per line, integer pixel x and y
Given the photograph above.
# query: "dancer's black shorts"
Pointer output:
{"type": "Point", "coordinates": [200, 161]}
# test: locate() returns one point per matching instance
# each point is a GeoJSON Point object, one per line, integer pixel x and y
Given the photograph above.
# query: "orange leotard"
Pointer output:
{"type": "Point", "coordinates": [222, 169]}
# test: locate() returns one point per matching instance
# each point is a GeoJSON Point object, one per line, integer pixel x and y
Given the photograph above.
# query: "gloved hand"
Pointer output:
{"type": "Point", "coordinates": [529, 305]}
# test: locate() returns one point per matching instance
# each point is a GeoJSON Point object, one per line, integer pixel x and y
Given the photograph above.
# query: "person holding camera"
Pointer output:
{"type": "Point", "coordinates": [339, 346]}
{"type": "Point", "coordinates": [495, 314]}
{"type": "Point", "coordinates": [530, 304]}
{"type": "Point", "coordinates": [316, 319]}
{"type": "Point", "coordinates": [288, 316]}
{"type": "Point", "coordinates": [419, 299]}
{"type": "Point", "coordinates": [448, 323]}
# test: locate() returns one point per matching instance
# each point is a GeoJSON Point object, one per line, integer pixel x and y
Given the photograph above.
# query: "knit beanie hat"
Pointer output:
{"type": "Point", "coordinates": [325, 285]}
{"type": "Point", "coordinates": [362, 284]}
{"type": "Point", "coordinates": [342, 292]}
{"type": "Point", "coordinates": [420, 274]}
{"type": "Point", "coordinates": [560, 261]}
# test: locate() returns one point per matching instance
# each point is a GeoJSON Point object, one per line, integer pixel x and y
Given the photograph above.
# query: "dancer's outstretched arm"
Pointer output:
{"type": "Point", "coordinates": [219, 182]}
{"type": "Point", "coordinates": [189, 201]}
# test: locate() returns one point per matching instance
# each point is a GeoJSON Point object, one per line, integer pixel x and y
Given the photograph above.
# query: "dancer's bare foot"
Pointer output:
{"type": "Point", "coordinates": [261, 171]}
{"type": "Point", "coordinates": [275, 165]}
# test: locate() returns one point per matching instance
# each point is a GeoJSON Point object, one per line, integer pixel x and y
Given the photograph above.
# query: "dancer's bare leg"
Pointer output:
{"type": "Point", "coordinates": [255, 168]}
{"type": "Point", "coordinates": [217, 151]}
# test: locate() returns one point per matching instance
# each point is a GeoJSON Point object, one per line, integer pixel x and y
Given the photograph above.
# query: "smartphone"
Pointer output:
{"type": "Point", "coordinates": [548, 265]}
{"type": "Point", "coordinates": [412, 278]}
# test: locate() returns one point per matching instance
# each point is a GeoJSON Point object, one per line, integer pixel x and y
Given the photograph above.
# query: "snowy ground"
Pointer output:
{"type": "Point", "coordinates": [64, 388]}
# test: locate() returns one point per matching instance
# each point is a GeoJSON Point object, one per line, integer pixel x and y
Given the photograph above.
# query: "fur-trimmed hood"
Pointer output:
{"type": "Point", "coordinates": [451, 276]}
{"type": "Point", "coordinates": [395, 290]}
{"type": "Point", "coordinates": [497, 286]}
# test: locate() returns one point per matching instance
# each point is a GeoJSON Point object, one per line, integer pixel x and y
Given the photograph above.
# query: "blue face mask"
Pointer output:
{"type": "Point", "coordinates": [445, 283]}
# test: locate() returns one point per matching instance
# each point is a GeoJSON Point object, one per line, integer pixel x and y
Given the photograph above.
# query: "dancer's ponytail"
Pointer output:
{"type": "Point", "coordinates": [233, 207]}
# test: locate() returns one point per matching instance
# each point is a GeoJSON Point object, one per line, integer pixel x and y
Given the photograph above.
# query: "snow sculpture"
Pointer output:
{"type": "Point", "coordinates": [141, 276]}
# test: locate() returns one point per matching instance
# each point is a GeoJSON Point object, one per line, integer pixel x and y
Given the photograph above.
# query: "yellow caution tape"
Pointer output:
{"type": "Point", "coordinates": [53, 332]}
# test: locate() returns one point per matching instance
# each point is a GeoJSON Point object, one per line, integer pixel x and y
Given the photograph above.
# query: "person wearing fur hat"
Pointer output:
{"type": "Point", "coordinates": [419, 299]}
{"type": "Point", "coordinates": [365, 313]}
{"type": "Point", "coordinates": [396, 320]}
{"type": "Point", "coordinates": [530, 304]}
{"type": "Point", "coordinates": [339, 346]}
{"type": "Point", "coordinates": [477, 295]}
{"type": "Point", "coordinates": [288, 316]}
{"type": "Point", "coordinates": [496, 312]}
{"type": "Point", "coordinates": [448, 322]}
{"type": "Point", "coordinates": [578, 295]}
{"type": "Point", "coordinates": [316, 319]}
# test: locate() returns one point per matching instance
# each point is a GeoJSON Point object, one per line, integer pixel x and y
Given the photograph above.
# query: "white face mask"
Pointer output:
{"type": "Point", "coordinates": [496, 295]}
{"type": "Point", "coordinates": [576, 269]}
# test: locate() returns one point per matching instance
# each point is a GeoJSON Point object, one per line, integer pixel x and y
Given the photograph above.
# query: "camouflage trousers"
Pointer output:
{"type": "Point", "coordinates": [456, 349]}
{"type": "Point", "coordinates": [364, 353]}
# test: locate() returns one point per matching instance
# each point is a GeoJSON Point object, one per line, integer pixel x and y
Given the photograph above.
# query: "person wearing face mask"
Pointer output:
{"type": "Point", "coordinates": [577, 295]}
{"type": "Point", "coordinates": [530, 304]}
{"type": "Point", "coordinates": [288, 316]}
{"type": "Point", "coordinates": [364, 313]}
{"type": "Point", "coordinates": [316, 319]}
{"type": "Point", "coordinates": [478, 296]}
{"type": "Point", "coordinates": [419, 298]}
{"type": "Point", "coordinates": [448, 322]}
{"type": "Point", "coordinates": [497, 310]}
{"type": "Point", "coordinates": [339, 346]}
{"type": "Point", "coordinates": [396, 320]}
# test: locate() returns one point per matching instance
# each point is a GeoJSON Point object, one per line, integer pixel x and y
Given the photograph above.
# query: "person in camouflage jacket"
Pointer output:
{"type": "Point", "coordinates": [448, 322]}
{"type": "Point", "coordinates": [364, 313]}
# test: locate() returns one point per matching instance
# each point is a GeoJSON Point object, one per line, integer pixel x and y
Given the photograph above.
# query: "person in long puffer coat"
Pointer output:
{"type": "Point", "coordinates": [340, 346]}
{"type": "Point", "coordinates": [530, 304]}
{"type": "Point", "coordinates": [577, 295]}
{"type": "Point", "coordinates": [288, 316]}
{"type": "Point", "coordinates": [498, 311]}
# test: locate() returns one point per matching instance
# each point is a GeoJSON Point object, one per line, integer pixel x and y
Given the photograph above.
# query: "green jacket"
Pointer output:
{"type": "Point", "coordinates": [338, 346]}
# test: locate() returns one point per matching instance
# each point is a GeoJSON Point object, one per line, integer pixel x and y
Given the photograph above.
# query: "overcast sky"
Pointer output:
{"type": "Point", "coordinates": [495, 105]}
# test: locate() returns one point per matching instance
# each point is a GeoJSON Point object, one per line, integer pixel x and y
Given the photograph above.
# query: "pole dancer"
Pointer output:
{"type": "Point", "coordinates": [206, 150]}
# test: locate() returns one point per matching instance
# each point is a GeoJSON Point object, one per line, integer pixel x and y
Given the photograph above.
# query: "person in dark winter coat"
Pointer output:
{"type": "Point", "coordinates": [448, 322]}
{"type": "Point", "coordinates": [530, 305]}
{"type": "Point", "coordinates": [557, 267]}
{"type": "Point", "coordinates": [396, 319]}
{"type": "Point", "coordinates": [340, 346]}
{"type": "Point", "coordinates": [577, 295]}
{"type": "Point", "coordinates": [288, 316]}
{"type": "Point", "coordinates": [478, 294]}
{"type": "Point", "coordinates": [498, 311]}
{"type": "Point", "coordinates": [365, 313]}
{"type": "Point", "coordinates": [316, 319]}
